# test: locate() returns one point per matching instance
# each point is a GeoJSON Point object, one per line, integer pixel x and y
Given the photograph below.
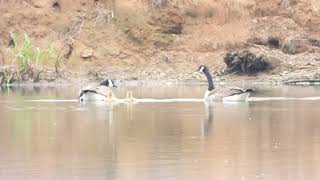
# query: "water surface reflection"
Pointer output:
{"type": "Point", "coordinates": [182, 140]}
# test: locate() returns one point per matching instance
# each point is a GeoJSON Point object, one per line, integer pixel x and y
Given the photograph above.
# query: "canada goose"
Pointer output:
{"type": "Point", "coordinates": [230, 94]}
{"type": "Point", "coordinates": [101, 92]}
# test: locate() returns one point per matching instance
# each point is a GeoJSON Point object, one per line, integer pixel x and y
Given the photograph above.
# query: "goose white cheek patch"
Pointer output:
{"type": "Point", "coordinates": [110, 83]}
{"type": "Point", "coordinates": [201, 69]}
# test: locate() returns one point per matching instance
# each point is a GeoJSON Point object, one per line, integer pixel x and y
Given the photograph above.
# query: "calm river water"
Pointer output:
{"type": "Point", "coordinates": [46, 134]}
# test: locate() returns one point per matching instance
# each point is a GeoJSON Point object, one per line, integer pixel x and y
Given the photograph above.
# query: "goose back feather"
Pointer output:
{"type": "Point", "coordinates": [225, 94]}
{"type": "Point", "coordinates": [99, 92]}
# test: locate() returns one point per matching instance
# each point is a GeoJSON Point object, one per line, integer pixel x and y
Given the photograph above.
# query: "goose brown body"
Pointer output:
{"type": "Point", "coordinates": [225, 94]}
{"type": "Point", "coordinates": [99, 92]}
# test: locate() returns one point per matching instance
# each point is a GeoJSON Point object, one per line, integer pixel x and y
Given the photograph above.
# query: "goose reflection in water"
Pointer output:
{"type": "Point", "coordinates": [207, 123]}
{"type": "Point", "coordinates": [219, 110]}
{"type": "Point", "coordinates": [102, 110]}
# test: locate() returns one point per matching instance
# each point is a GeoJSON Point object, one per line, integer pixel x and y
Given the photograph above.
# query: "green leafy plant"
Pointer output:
{"type": "Point", "coordinates": [26, 56]}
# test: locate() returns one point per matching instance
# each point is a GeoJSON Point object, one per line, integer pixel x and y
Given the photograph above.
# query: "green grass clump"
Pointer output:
{"type": "Point", "coordinates": [27, 59]}
{"type": "Point", "coordinates": [26, 56]}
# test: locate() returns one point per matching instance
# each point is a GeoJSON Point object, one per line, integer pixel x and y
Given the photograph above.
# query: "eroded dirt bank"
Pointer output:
{"type": "Point", "coordinates": [135, 40]}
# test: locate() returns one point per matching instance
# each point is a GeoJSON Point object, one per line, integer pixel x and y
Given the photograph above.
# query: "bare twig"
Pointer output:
{"type": "Point", "coordinates": [103, 15]}
{"type": "Point", "coordinates": [220, 54]}
{"type": "Point", "coordinates": [37, 77]}
{"type": "Point", "coordinates": [69, 45]}
{"type": "Point", "coordinates": [158, 3]}
{"type": "Point", "coordinates": [57, 63]}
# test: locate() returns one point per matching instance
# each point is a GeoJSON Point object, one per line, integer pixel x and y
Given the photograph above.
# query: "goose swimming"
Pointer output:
{"type": "Point", "coordinates": [224, 94]}
{"type": "Point", "coordinates": [101, 92]}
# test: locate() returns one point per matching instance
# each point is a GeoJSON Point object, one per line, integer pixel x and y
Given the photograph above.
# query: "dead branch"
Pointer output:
{"type": "Point", "coordinates": [103, 15]}
{"type": "Point", "coordinates": [69, 46]}
{"type": "Point", "coordinates": [57, 63]}
{"type": "Point", "coordinates": [37, 76]}
{"type": "Point", "coordinates": [158, 3]}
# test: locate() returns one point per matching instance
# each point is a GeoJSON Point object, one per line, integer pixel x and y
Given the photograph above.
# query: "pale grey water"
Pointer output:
{"type": "Point", "coordinates": [262, 139]}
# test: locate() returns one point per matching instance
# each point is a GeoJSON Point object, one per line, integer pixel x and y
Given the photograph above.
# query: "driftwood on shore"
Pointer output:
{"type": "Point", "coordinates": [302, 82]}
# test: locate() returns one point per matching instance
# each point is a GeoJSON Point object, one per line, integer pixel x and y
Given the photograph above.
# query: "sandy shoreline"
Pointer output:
{"type": "Point", "coordinates": [187, 80]}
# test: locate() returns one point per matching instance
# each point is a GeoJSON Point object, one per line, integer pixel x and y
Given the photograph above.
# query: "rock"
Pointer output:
{"type": "Point", "coordinates": [87, 54]}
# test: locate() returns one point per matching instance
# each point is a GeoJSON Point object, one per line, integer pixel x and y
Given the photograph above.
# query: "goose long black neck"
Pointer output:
{"type": "Point", "coordinates": [210, 81]}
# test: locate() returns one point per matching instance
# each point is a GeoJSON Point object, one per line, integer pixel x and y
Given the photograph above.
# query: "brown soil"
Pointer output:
{"type": "Point", "coordinates": [170, 42]}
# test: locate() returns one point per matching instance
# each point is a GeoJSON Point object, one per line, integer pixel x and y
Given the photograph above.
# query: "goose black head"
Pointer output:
{"type": "Point", "coordinates": [108, 83]}
{"type": "Point", "coordinates": [202, 69]}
